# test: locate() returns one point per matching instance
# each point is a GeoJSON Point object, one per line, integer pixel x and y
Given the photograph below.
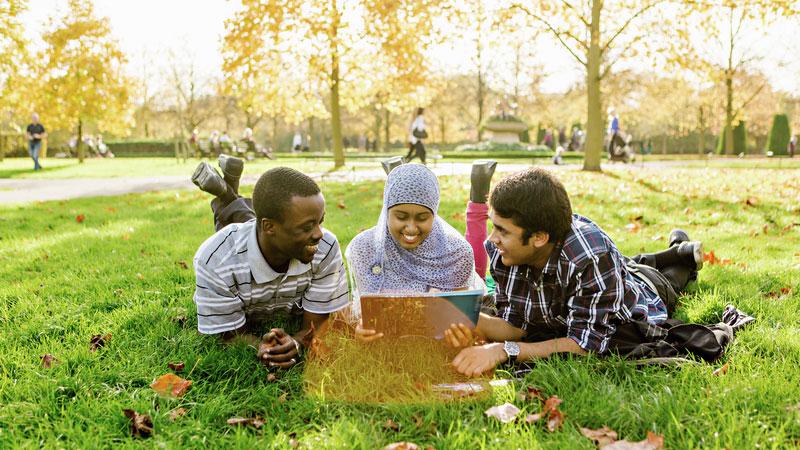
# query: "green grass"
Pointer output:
{"type": "Point", "coordinates": [120, 271]}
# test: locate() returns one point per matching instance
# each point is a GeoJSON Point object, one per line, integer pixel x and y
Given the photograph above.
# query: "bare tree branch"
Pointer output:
{"type": "Point", "coordinates": [577, 13]}
{"type": "Point", "coordinates": [628, 22]}
{"type": "Point", "coordinates": [554, 31]}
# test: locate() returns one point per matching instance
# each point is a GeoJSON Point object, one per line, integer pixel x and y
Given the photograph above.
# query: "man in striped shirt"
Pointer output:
{"type": "Point", "coordinates": [268, 261]}
{"type": "Point", "coordinates": [562, 286]}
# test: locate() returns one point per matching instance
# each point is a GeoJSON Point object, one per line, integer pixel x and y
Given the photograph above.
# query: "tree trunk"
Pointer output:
{"type": "Point", "coordinates": [594, 119]}
{"type": "Point", "coordinates": [311, 136]}
{"type": "Point", "coordinates": [443, 129]}
{"type": "Point", "coordinates": [387, 125]}
{"type": "Point", "coordinates": [274, 133]}
{"type": "Point", "coordinates": [79, 144]}
{"type": "Point", "coordinates": [728, 113]}
{"type": "Point", "coordinates": [376, 129]}
{"type": "Point", "coordinates": [701, 142]}
{"type": "Point", "coordinates": [336, 119]}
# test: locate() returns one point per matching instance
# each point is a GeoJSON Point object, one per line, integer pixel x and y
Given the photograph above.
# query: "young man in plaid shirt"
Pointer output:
{"type": "Point", "coordinates": [562, 286]}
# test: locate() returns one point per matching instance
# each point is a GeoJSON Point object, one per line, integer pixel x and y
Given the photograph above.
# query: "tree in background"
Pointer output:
{"type": "Point", "coordinates": [14, 58]}
{"type": "Point", "coordinates": [82, 75]}
{"type": "Point", "coordinates": [717, 44]}
{"type": "Point", "coordinates": [597, 34]}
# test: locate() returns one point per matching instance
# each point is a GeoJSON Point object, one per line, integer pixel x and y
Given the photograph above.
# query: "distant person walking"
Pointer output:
{"type": "Point", "coordinates": [615, 138]}
{"type": "Point", "coordinates": [792, 146]}
{"type": "Point", "coordinates": [416, 134]}
{"type": "Point", "coordinates": [35, 133]}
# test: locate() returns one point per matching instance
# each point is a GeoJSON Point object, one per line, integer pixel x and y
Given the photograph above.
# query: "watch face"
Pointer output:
{"type": "Point", "coordinates": [511, 348]}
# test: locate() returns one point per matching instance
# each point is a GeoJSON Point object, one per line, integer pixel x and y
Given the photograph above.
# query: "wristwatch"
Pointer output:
{"type": "Point", "coordinates": [512, 350]}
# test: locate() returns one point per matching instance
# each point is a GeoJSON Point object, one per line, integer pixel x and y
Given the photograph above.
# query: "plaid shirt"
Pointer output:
{"type": "Point", "coordinates": [583, 292]}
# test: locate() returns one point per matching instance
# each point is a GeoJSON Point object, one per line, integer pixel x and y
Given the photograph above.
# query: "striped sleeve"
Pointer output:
{"type": "Point", "coordinates": [328, 289]}
{"type": "Point", "coordinates": [218, 308]}
{"type": "Point", "coordinates": [599, 297]}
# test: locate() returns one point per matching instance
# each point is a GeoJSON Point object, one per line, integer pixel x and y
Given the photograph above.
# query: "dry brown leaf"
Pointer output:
{"type": "Point", "coordinates": [125, 236]}
{"type": "Point", "coordinates": [532, 418]}
{"type": "Point", "coordinates": [177, 413]}
{"type": "Point", "coordinates": [554, 420]}
{"type": "Point", "coordinates": [294, 443]}
{"type": "Point", "coordinates": [183, 264]}
{"type": "Point", "coordinates": [391, 425]}
{"type": "Point", "coordinates": [457, 216]}
{"type": "Point", "coordinates": [170, 385]}
{"type": "Point", "coordinates": [271, 377]}
{"type": "Point", "coordinates": [180, 319]}
{"type": "Point", "coordinates": [141, 424]}
{"type": "Point", "coordinates": [652, 442]}
{"type": "Point", "coordinates": [530, 394]}
{"type": "Point", "coordinates": [48, 361]}
{"type": "Point", "coordinates": [751, 201]}
{"type": "Point", "coordinates": [601, 437]}
{"type": "Point", "coordinates": [80, 218]}
{"type": "Point", "coordinates": [721, 370]}
{"type": "Point", "coordinates": [341, 205]}
{"type": "Point", "coordinates": [551, 404]}
{"type": "Point", "coordinates": [633, 227]}
{"type": "Point", "coordinates": [177, 367]}
{"type": "Point", "coordinates": [98, 341]}
{"type": "Point", "coordinates": [401, 446]}
{"type": "Point", "coordinates": [255, 422]}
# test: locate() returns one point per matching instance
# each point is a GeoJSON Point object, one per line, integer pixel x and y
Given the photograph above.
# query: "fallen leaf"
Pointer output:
{"type": "Point", "coordinates": [341, 205]}
{"type": "Point", "coordinates": [601, 437]}
{"type": "Point", "coordinates": [140, 276]}
{"type": "Point", "coordinates": [391, 425]}
{"type": "Point", "coordinates": [657, 237]}
{"type": "Point", "coordinates": [294, 443]}
{"type": "Point", "coordinates": [532, 418]}
{"type": "Point", "coordinates": [751, 201]}
{"type": "Point", "coordinates": [170, 385]}
{"type": "Point", "coordinates": [255, 422]}
{"type": "Point", "coordinates": [688, 210]}
{"type": "Point", "coordinates": [721, 370]}
{"type": "Point", "coordinates": [504, 413]}
{"type": "Point", "coordinates": [177, 413]}
{"type": "Point", "coordinates": [271, 377]}
{"type": "Point", "coordinates": [652, 442]}
{"type": "Point", "coordinates": [457, 216]}
{"type": "Point", "coordinates": [554, 420]}
{"type": "Point", "coordinates": [283, 398]}
{"type": "Point", "coordinates": [98, 341]}
{"type": "Point", "coordinates": [125, 236]}
{"type": "Point", "coordinates": [530, 394]}
{"type": "Point", "coordinates": [401, 446]}
{"type": "Point", "coordinates": [551, 404]}
{"type": "Point", "coordinates": [180, 319]}
{"type": "Point", "coordinates": [183, 264]}
{"type": "Point", "coordinates": [141, 424]}
{"type": "Point", "coordinates": [418, 421]}
{"type": "Point", "coordinates": [48, 361]}
{"type": "Point", "coordinates": [633, 227]}
{"type": "Point", "coordinates": [177, 367]}
{"type": "Point", "coordinates": [80, 218]}
{"type": "Point", "coordinates": [111, 209]}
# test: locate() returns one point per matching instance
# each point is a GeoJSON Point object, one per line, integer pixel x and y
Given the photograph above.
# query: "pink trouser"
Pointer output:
{"type": "Point", "coordinates": [477, 215]}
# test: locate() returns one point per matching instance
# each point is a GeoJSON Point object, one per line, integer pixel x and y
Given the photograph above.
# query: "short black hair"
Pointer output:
{"type": "Point", "coordinates": [535, 201]}
{"type": "Point", "coordinates": [276, 187]}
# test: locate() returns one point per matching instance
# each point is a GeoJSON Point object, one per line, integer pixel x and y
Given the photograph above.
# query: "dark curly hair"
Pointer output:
{"type": "Point", "coordinates": [535, 201]}
{"type": "Point", "coordinates": [276, 187]}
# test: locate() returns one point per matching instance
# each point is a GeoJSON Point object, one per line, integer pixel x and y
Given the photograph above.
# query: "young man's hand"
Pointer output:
{"type": "Point", "coordinates": [460, 335]}
{"type": "Point", "coordinates": [279, 349]}
{"type": "Point", "coordinates": [365, 335]}
{"type": "Point", "coordinates": [473, 361]}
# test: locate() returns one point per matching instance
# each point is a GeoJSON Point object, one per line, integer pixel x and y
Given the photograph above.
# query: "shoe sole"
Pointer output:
{"type": "Point", "coordinates": [197, 172]}
{"type": "Point", "coordinates": [698, 255]}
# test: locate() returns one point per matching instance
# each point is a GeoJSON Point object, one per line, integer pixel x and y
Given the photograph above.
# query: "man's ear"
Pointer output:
{"type": "Point", "coordinates": [267, 226]}
{"type": "Point", "coordinates": [540, 238]}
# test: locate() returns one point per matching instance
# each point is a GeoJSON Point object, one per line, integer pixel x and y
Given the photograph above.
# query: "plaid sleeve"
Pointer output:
{"type": "Point", "coordinates": [599, 295]}
{"type": "Point", "coordinates": [328, 290]}
{"type": "Point", "coordinates": [502, 289]}
{"type": "Point", "coordinates": [218, 308]}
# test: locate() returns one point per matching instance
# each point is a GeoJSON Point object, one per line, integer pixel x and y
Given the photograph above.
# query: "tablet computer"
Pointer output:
{"type": "Point", "coordinates": [429, 314]}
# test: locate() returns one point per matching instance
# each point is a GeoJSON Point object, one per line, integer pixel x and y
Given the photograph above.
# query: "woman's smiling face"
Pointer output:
{"type": "Point", "coordinates": [409, 224]}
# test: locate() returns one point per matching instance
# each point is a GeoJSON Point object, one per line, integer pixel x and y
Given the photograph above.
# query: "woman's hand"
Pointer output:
{"type": "Point", "coordinates": [364, 335]}
{"type": "Point", "coordinates": [458, 336]}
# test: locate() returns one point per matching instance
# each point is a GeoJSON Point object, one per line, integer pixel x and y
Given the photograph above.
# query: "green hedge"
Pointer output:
{"type": "Point", "coordinates": [143, 147]}
{"type": "Point", "coordinates": [779, 135]}
{"type": "Point", "coordinates": [739, 139]}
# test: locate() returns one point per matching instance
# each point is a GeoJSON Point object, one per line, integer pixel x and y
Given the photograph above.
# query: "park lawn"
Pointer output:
{"type": "Point", "coordinates": [125, 269]}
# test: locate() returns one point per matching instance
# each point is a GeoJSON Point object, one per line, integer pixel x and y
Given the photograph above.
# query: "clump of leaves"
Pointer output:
{"type": "Point", "coordinates": [48, 361]}
{"type": "Point", "coordinates": [98, 341]}
{"type": "Point", "coordinates": [141, 424]}
{"type": "Point", "coordinates": [255, 422]}
{"type": "Point", "coordinates": [170, 385]}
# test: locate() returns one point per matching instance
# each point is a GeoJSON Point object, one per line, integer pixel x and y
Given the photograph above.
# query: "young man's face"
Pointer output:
{"type": "Point", "coordinates": [301, 230]}
{"type": "Point", "coordinates": [409, 224]}
{"type": "Point", "coordinates": [507, 237]}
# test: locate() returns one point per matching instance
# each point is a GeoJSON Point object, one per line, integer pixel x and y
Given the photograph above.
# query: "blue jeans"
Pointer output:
{"type": "Point", "coordinates": [33, 149]}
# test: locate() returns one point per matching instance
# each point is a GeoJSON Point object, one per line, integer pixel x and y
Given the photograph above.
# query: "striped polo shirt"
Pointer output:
{"type": "Point", "coordinates": [235, 284]}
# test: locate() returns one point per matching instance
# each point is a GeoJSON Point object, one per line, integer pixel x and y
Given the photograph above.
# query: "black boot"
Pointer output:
{"type": "Point", "coordinates": [391, 163]}
{"type": "Point", "coordinates": [231, 170]}
{"type": "Point", "coordinates": [208, 180]}
{"type": "Point", "coordinates": [677, 236]}
{"type": "Point", "coordinates": [480, 180]}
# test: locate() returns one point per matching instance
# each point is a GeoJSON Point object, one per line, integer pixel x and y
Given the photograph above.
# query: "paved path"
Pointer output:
{"type": "Point", "coordinates": [16, 191]}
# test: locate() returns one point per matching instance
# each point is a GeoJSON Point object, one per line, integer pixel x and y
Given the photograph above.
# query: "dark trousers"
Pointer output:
{"type": "Point", "coordinates": [237, 211]}
{"type": "Point", "coordinates": [417, 150]}
{"type": "Point", "coordinates": [615, 141]}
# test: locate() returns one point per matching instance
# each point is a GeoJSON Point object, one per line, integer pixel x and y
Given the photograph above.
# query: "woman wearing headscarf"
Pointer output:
{"type": "Point", "coordinates": [411, 249]}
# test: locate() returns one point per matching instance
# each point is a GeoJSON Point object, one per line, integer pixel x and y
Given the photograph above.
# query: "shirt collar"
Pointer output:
{"type": "Point", "coordinates": [262, 271]}
{"type": "Point", "coordinates": [552, 262]}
